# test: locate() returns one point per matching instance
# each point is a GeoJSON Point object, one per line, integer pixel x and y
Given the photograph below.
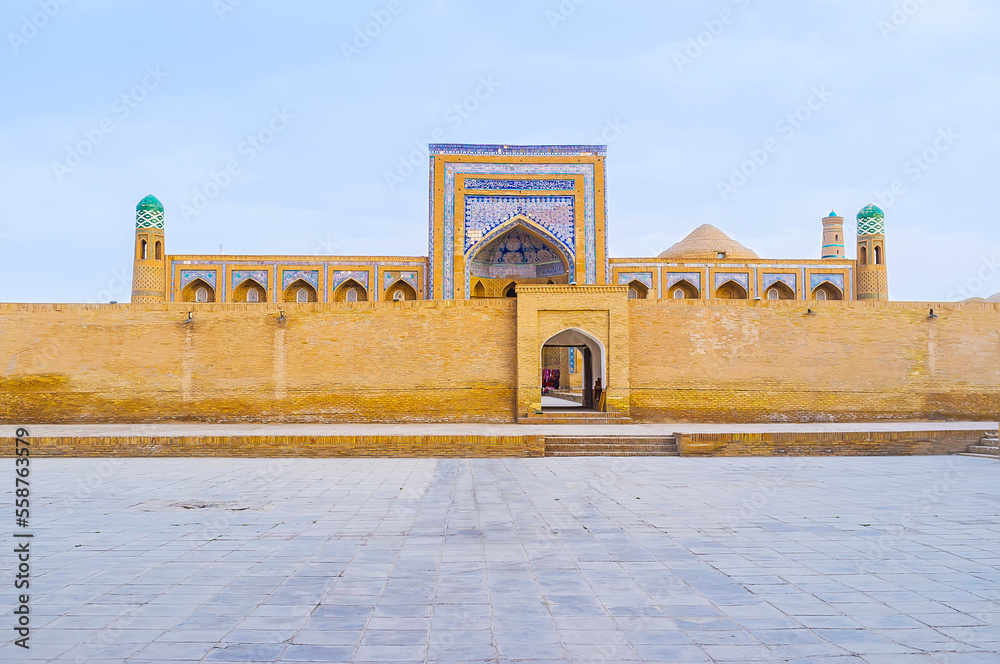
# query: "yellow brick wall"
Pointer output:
{"type": "Point", "coordinates": [284, 446]}
{"type": "Point", "coordinates": [464, 361]}
{"type": "Point", "coordinates": [772, 361]}
{"type": "Point", "coordinates": [410, 361]}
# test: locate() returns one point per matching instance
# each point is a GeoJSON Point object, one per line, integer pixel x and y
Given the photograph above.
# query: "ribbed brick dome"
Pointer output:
{"type": "Point", "coordinates": [707, 242]}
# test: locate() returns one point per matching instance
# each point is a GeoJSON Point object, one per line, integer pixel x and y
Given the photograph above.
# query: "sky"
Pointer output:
{"type": "Point", "coordinates": [759, 117]}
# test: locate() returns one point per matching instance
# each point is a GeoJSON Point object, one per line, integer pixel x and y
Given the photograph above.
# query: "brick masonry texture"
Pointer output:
{"type": "Point", "coordinates": [773, 361]}
{"type": "Point", "coordinates": [363, 362]}
{"type": "Point", "coordinates": [287, 446]}
{"type": "Point", "coordinates": [858, 443]}
{"type": "Point", "coordinates": [479, 361]}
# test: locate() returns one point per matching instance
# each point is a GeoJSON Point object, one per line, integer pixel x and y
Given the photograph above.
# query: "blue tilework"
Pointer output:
{"type": "Point", "coordinates": [260, 276]}
{"type": "Point", "coordinates": [693, 277]}
{"type": "Point", "coordinates": [448, 223]}
{"type": "Point", "coordinates": [389, 278]}
{"type": "Point", "coordinates": [291, 276]}
{"type": "Point", "coordinates": [340, 276]}
{"type": "Point", "coordinates": [742, 278]}
{"type": "Point", "coordinates": [787, 279]}
{"type": "Point", "coordinates": [518, 150]}
{"type": "Point", "coordinates": [835, 279]}
{"type": "Point", "coordinates": [523, 185]}
{"type": "Point", "coordinates": [645, 278]}
{"type": "Point", "coordinates": [555, 214]}
{"type": "Point", "coordinates": [208, 276]}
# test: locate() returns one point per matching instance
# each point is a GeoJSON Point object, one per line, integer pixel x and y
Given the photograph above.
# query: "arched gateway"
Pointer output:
{"type": "Point", "coordinates": [589, 321]}
{"type": "Point", "coordinates": [592, 367]}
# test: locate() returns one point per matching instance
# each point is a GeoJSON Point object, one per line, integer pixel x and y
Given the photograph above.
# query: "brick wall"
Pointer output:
{"type": "Point", "coordinates": [772, 361]}
{"type": "Point", "coordinates": [852, 443]}
{"type": "Point", "coordinates": [409, 361]}
{"type": "Point", "coordinates": [669, 360]}
{"type": "Point", "coordinates": [286, 446]}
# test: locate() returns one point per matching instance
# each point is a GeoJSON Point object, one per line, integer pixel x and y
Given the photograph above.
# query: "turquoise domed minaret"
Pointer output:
{"type": "Point", "coordinates": [871, 221]}
{"type": "Point", "coordinates": [873, 278]}
{"type": "Point", "coordinates": [149, 213]}
{"type": "Point", "coordinates": [149, 283]}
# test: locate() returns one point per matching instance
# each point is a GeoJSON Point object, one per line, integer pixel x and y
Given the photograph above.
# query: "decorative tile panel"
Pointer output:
{"type": "Point", "coordinates": [789, 280]}
{"type": "Point", "coordinates": [645, 278]}
{"type": "Point", "coordinates": [208, 276]}
{"type": "Point", "coordinates": [523, 185]}
{"type": "Point", "coordinates": [149, 219]}
{"type": "Point", "coordinates": [673, 278]}
{"type": "Point", "coordinates": [742, 278]}
{"type": "Point", "coordinates": [835, 279]}
{"type": "Point", "coordinates": [389, 278]}
{"type": "Point", "coordinates": [289, 277]}
{"type": "Point", "coordinates": [553, 213]}
{"type": "Point", "coordinates": [430, 232]}
{"type": "Point", "coordinates": [448, 222]}
{"type": "Point", "coordinates": [340, 276]}
{"type": "Point", "coordinates": [519, 150]}
{"type": "Point", "coordinates": [260, 276]}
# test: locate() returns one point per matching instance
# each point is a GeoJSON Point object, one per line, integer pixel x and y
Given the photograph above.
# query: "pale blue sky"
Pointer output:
{"type": "Point", "coordinates": [320, 185]}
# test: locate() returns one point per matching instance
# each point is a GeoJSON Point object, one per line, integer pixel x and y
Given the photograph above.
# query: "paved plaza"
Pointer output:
{"type": "Point", "coordinates": [893, 560]}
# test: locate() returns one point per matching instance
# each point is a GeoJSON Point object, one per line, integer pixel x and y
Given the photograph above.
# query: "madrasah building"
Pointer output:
{"type": "Point", "coordinates": [515, 310]}
{"type": "Point", "coordinates": [509, 216]}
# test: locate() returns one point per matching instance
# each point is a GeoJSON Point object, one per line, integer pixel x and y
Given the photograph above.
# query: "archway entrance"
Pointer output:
{"type": "Point", "coordinates": [515, 254]}
{"type": "Point", "coordinates": [574, 371]}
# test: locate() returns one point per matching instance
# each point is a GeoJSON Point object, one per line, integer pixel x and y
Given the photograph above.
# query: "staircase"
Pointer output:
{"type": "Point", "coordinates": [610, 446]}
{"type": "Point", "coordinates": [988, 447]}
{"type": "Point", "coordinates": [575, 416]}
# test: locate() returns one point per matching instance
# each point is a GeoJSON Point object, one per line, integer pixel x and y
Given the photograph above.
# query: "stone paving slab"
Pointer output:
{"type": "Point", "coordinates": [664, 429]}
{"type": "Point", "coordinates": [871, 560]}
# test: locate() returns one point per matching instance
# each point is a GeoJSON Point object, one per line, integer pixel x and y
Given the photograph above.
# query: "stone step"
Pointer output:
{"type": "Point", "coordinates": [612, 454]}
{"type": "Point", "coordinates": [990, 441]}
{"type": "Point", "coordinates": [984, 449]}
{"type": "Point", "coordinates": [981, 456]}
{"type": "Point", "coordinates": [611, 446]}
{"type": "Point", "coordinates": [543, 419]}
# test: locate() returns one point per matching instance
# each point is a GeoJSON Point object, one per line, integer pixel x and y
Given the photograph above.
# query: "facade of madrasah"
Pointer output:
{"type": "Point", "coordinates": [504, 216]}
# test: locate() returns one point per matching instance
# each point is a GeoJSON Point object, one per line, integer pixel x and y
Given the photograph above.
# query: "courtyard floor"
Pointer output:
{"type": "Point", "coordinates": [843, 560]}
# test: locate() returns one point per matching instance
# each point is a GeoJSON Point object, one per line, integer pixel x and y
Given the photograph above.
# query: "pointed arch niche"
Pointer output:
{"type": "Point", "coordinates": [516, 252]}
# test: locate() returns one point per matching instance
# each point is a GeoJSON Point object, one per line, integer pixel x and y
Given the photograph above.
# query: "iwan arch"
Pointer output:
{"type": "Point", "coordinates": [516, 296]}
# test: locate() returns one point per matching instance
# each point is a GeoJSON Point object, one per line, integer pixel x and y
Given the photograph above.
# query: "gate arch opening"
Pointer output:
{"type": "Point", "coordinates": [594, 369]}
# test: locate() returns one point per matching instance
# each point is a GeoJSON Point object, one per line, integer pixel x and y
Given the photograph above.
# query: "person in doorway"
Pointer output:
{"type": "Point", "coordinates": [597, 392]}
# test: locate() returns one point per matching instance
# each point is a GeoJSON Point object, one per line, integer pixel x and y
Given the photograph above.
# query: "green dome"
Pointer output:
{"type": "Point", "coordinates": [871, 221]}
{"type": "Point", "coordinates": [149, 203]}
{"type": "Point", "coordinates": [149, 213]}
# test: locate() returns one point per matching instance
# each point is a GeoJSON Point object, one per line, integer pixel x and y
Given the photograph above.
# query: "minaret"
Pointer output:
{"type": "Point", "coordinates": [149, 284]}
{"type": "Point", "coordinates": [873, 280]}
{"type": "Point", "coordinates": [833, 236]}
